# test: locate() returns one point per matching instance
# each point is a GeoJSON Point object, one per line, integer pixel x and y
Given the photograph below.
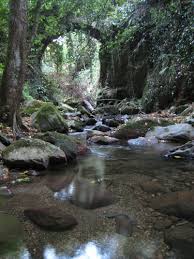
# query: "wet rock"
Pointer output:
{"type": "Point", "coordinates": [4, 140]}
{"type": "Point", "coordinates": [64, 142]}
{"type": "Point", "coordinates": [179, 204]}
{"type": "Point", "coordinates": [91, 122]}
{"type": "Point", "coordinates": [142, 141]}
{"type": "Point", "coordinates": [111, 123]}
{"type": "Point", "coordinates": [181, 239]}
{"type": "Point", "coordinates": [152, 187]}
{"type": "Point", "coordinates": [190, 120]}
{"type": "Point", "coordinates": [81, 142]}
{"type": "Point", "coordinates": [90, 196]}
{"type": "Point", "coordinates": [103, 140]}
{"type": "Point", "coordinates": [50, 218]}
{"type": "Point", "coordinates": [177, 132]}
{"type": "Point", "coordinates": [134, 129]}
{"type": "Point", "coordinates": [76, 125]}
{"type": "Point", "coordinates": [185, 151]}
{"type": "Point", "coordinates": [48, 118]}
{"type": "Point", "coordinates": [92, 133]}
{"type": "Point", "coordinates": [32, 153]}
{"type": "Point", "coordinates": [102, 128]}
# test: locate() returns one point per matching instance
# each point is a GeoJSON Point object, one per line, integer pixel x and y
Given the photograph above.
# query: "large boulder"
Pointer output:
{"type": "Point", "coordinates": [48, 118]}
{"type": "Point", "coordinates": [176, 132]}
{"type": "Point", "coordinates": [50, 218]}
{"type": "Point", "coordinates": [179, 204]}
{"type": "Point", "coordinates": [64, 142]}
{"type": "Point", "coordinates": [32, 153]}
{"type": "Point", "coordinates": [185, 151]}
{"type": "Point", "coordinates": [181, 240]}
{"type": "Point", "coordinates": [135, 128]}
{"type": "Point", "coordinates": [32, 106]}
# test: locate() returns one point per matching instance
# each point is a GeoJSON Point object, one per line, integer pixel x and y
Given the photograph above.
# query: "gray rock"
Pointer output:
{"type": "Point", "coordinates": [181, 239]}
{"type": "Point", "coordinates": [185, 151]}
{"type": "Point", "coordinates": [64, 142]}
{"type": "Point", "coordinates": [142, 141]}
{"type": "Point", "coordinates": [50, 218]}
{"type": "Point", "coordinates": [32, 153]}
{"type": "Point", "coordinates": [176, 132]}
{"type": "Point", "coordinates": [179, 204]}
{"type": "Point", "coordinates": [103, 140]}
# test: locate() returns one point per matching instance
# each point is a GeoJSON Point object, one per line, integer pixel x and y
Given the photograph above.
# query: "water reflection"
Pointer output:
{"type": "Point", "coordinates": [106, 249]}
{"type": "Point", "coordinates": [87, 189]}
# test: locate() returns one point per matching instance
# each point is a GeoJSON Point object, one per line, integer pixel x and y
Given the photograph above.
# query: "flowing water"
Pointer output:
{"type": "Point", "coordinates": [102, 191]}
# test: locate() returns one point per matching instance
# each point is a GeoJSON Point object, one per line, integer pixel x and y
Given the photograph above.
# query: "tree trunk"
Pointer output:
{"type": "Point", "coordinates": [14, 73]}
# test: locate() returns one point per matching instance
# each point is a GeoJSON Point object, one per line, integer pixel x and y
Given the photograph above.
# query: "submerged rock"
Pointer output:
{"type": "Point", "coordinates": [181, 240]}
{"type": "Point", "coordinates": [51, 218]}
{"type": "Point", "coordinates": [185, 151]}
{"type": "Point", "coordinates": [177, 132]}
{"type": "Point", "coordinates": [179, 204]}
{"type": "Point", "coordinates": [152, 187]}
{"type": "Point", "coordinates": [33, 153]}
{"type": "Point", "coordinates": [48, 118]}
{"type": "Point", "coordinates": [103, 140]}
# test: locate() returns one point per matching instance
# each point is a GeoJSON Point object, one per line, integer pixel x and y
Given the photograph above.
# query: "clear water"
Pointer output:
{"type": "Point", "coordinates": [117, 169]}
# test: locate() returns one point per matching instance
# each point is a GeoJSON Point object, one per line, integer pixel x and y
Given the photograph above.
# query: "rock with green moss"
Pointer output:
{"type": "Point", "coordinates": [48, 118]}
{"type": "Point", "coordinates": [135, 128]}
{"type": "Point", "coordinates": [76, 125]}
{"type": "Point", "coordinates": [64, 142]}
{"type": "Point", "coordinates": [31, 106]}
{"type": "Point", "coordinates": [32, 153]}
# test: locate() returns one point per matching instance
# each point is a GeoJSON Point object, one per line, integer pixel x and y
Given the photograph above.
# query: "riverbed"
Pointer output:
{"type": "Point", "coordinates": [119, 170]}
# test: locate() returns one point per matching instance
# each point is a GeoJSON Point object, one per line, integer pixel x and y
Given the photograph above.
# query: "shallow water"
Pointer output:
{"type": "Point", "coordinates": [115, 170]}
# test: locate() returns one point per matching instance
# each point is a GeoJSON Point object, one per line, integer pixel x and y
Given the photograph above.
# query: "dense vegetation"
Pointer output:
{"type": "Point", "coordinates": [134, 49]}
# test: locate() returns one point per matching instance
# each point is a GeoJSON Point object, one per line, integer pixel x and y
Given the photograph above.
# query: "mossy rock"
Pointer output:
{"type": "Point", "coordinates": [76, 125]}
{"type": "Point", "coordinates": [136, 128]}
{"type": "Point", "coordinates": [64, 142]}
{"type": "Point", "coordinates": [32, 153]}
{"type": "Point", "coordinates": [48, 118]}
{"type": "Point", "coordinates": [32, 106]}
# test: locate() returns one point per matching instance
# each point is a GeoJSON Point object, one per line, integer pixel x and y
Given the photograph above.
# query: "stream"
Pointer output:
{"type": "Point", "coordinates": [106, 190]}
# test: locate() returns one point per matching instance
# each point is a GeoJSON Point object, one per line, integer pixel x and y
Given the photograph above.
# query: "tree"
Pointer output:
{"type": "Point", "coordinates": [14, 73]}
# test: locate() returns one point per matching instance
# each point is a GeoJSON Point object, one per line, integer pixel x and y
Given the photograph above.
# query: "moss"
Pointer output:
{"type": "Point", "coordinates": [63, 141]}
{"type": "Point", "coordinates": [48, 118]}
{"type": "Point", "coordinates": [31, 107]}
{"type": "Point", "coordinates": [26, 143]}
{"type": "Point", "coordinates": [139, 128]}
